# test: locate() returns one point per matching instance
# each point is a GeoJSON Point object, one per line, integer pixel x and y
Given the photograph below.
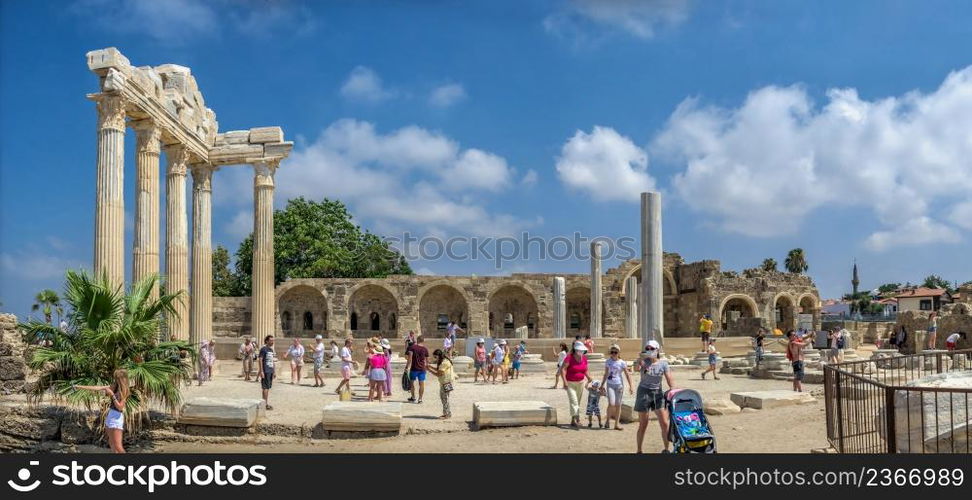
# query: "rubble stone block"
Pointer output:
{"type": "Point", "coordinates": [219, 412]}
{"type": "Point", "coordinates": [513, 413]}
{"type": "Point", "coordinates": [259, 135]}
{"type": "Point", "coordinates": [720, 407]}
{"type": "Point", "coordinates": [355, 416]}
{"type": "Point", "coordinates": [762, 400]}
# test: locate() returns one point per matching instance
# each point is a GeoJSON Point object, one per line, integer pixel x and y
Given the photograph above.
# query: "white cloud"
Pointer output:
{"type": "Point", "coordinates": [761, 168]}
{"type": "Point", "coordinates": [447, 95]}
{"type": "Point", "coordinates": [241, 225]}
{"type": "Point", "coordinates": [177, 22]}
{"type": "Point", "coordinates": [36, 265]}
{"type": "Point", "coordinates": [638, 18]}
{"type": "Point", "coordinates": [605, 165]}
{"type": "Point", "coordinates": [363, 84]}
{"type": "Point", "coordinates": [529, 178]}
{"type": "Point", "coordinates": [425, 271]}
{"type": "Point", "coordinates": [407, 179]}
{"type": "Point", "coordinates": [961, 215]}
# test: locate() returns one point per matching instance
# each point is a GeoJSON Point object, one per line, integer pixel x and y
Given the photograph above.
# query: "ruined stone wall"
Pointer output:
{"type": "Point", "coordinates": [952, 318]}
{"type": "Point", "coordinates": [481, 305]}
{"type": "Point", "coordinates": [13, 368]}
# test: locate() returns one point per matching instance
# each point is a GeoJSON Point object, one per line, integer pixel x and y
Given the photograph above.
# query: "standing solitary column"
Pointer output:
{"type": "Point", "coordinates": [595, 289]}
{"type": "Point", "coordinates": [650, 296]}
{"type": "Point", "coordinates": [201, 314]}
{"type": "Point", "coordinates": [145, 254]}
{"type": "Point", "coordinates": [559, 308]}
{"type": "Point", "coordinates": [631, 297]}
{"type": "Point", "coordinates": [177, 240]}
{"type": "Point", "coordinates": [263, 265]}
{"type": "Point", "coordinates": [109, 251]}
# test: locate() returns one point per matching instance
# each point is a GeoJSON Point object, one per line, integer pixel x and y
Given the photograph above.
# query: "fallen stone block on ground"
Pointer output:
{"type": "Point", "coordinates": [513, 413]}
{"type": "Point", "coordinates": [219, 412]}
{"type": "Point", "coordinates": [720, 407]}
{"type": "Point", "coordinates": [762, 400]}
{"type": "Point", "coordinates": [359, 416]}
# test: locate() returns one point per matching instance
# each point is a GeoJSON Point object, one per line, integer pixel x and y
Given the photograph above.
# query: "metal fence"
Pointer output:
{"type": "Point", "coordinates": [900, 404]}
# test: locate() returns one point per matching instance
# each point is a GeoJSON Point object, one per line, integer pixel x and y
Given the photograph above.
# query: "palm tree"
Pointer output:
{"type": "Point", "coordinates": [110, 330]}
{"type": "Point", "coordinates": [796, 261]}
{"type": "Point", "coordinates": [48, 302]}
{"type": "Point", "coordinates": [769, 264]}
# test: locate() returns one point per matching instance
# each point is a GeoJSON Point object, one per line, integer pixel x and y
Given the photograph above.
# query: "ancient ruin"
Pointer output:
{"type": "Point", "coordinates": [165, 108]}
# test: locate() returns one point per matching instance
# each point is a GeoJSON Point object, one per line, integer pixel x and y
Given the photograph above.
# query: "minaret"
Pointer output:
{"type": "Point", "coordinates": [854, 280]}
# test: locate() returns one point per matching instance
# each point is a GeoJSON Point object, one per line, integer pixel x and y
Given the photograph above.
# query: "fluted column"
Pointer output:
{"type": "Point", "coordinates": [201, 314]}
{"type": "Point", "coordinates": [631, 297]}
{"type": "Point", "coordinates": [177, 239]}
{"type": "Point", "coordinates": [263, 265]}
{"type": "Point", "coordinates": [596, 289]}
{"type": "Point", "coordinates": [559, 308]}
{"type": "Point", "coordinates": [109, 238]}
{"type": "Point", "coordinates": [145, 254]}
{"type": "Point", "coordinates": [651, 305]}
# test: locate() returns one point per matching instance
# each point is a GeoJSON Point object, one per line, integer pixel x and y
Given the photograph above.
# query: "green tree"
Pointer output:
{"type": "Point", "coordinates": [225, 283]}
{"type": "Point", "coordinates": [859, 302]}
{"type": "Point", "coordinates": [318, 240]}
{"type": "Point", "coordinates": [769, 264]}
{"type": "Point", "coordinates": [47, 301]}
{"type": "Point", "coordinates": [888, 288]}
{"type": "Point", "coordinates": [935, 281]}
{"type": "Point", "coordinates": [796, 261]}
{"type": "Point", "coordinates": [110, 330]}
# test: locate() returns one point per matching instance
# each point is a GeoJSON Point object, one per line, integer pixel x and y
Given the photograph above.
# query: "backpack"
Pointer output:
{"type": "Point", "coordinates": [840, 342]}
{"type": "Point", "coordinates": [406, 382]}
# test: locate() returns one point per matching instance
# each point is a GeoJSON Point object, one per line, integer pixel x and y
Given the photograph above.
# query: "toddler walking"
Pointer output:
{"type": "Point", "coordinates": [594, 403]}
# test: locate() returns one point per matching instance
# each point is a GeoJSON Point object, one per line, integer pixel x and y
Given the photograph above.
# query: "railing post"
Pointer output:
{"type": "Point", "coordinates": [889, 420]}
{"type": "Point", "coordinates": [840, 413]}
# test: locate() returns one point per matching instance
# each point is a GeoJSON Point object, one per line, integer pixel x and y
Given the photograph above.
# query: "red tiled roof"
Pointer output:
{"type": "Point", "coordinates": [889, 300]}
{"type": "Point", "coordinates": [921, 292]}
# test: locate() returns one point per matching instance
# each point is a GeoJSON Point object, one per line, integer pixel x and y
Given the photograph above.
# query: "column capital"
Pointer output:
{"type": "Point", "coordinates": [177, 159]}
{"type": "Point", "coordinates": [111, 111]}
{"type": "Point", "coordinates": [263, 172]}
{"type": "Point", "coordinates": [202, 176]}
{"type": "Point", "coordinates": [148, 136]}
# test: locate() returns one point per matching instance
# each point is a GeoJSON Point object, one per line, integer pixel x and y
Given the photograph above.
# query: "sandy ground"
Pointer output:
{"type": "Point", "coordinates": [794, 429]}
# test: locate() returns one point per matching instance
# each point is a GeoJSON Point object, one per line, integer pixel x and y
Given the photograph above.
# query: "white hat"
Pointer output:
{"type": "Point", "coordinates": [579, 346]}
{"type": "Point", "coordinates": [480, 341]}
{"type": "Point", "coordinates": [385, 343]}
{"type": "Point", "coordinates": [318, 337]}
{"type": "Point", "coordinates": [653, 343]}
{"type": "Point", "coordinates": [502, 342]}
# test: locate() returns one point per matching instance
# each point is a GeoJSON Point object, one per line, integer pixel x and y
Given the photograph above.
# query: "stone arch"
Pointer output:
{"type": "Point", "coordinates": [308, 320]}
{"type": "Point", "coordinates": [578, 303]}
{"type": "Point", "coordinates": [295, 300]}
{"type": "Point", "coordinates": [512, 301]}
{"type": "Point", "coordinates": [734, 308]}
{"type": "Point", "coordinates": [669, 297]}
{"type": "Point", "coordinates": [807, 303]}
{"type": "Point", "coordinates": [442, 298]}
{"type": "Point", "coordinates": [370, 306]}
{"type": "Point", "coordinates": [784, 306]}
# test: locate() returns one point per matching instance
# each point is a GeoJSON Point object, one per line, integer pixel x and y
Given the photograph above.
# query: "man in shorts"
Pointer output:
{"type": "Point", "coordinates": [417, 359]}
{"type": "Point", "coordinates": [951, 342]}
{"type": "Point", "coordinates": [268, 360]}
{"type": "Point", "coordinates": [650, 396]}
{"type": "Point", "coordinates": [705, 330]}
{"type": "Point", "coordinates": [794, 352]}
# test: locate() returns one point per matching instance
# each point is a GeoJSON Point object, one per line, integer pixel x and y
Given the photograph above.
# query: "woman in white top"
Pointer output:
{"type": "Point", "coordinates": [561, 356]}
{"type": "Point", "coordinates": [319, 349]}
{"type": "Point", "coordinates": [296, 355]}
{"type": "Point", "coordinates": [206, 360]}
{"type": "Point", "coordinates": [613, 385]}
{"type": "Point", "coordinates": [247, 353]}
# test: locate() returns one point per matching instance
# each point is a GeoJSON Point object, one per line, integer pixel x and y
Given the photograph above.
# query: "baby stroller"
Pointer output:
{"type": "Point", "coordinates": [688, 429]}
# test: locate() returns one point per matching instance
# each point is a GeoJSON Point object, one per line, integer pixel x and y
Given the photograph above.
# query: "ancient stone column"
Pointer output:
{"type": "Point", "coordinates": [263, 307]}
{"type": "Point", "coordinates": [559, 308]}
{"type": "Point", "coordinates": [109, 251]}
{"type": "Point", "coordinates": [631, 297]}
{"type": "Point", "coordinates": [595, 289]}
{"type": "Point", "coordinates": [145, 254]}
{"type": "Point", "coordinates": [651, 309]}
{"type": "Point", "coordinates": [201, 314]}
{"type": "Point", "coordinates": [177, 240]}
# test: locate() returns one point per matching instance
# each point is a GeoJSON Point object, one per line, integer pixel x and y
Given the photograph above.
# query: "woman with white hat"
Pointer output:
{"type": "Point", "coordinates": [479, 360]}
{"type": "Point", "coordinates": [496, 358]}
{"type": "Point", "coordinates": [387, 350]}
{"type": "Point", "coordinates": [650, 396]}
{"type": "Point", "coordinates": [613, 385]}
{"type": "Point", "coordinates": [574, 374]}
{"type": "Point", "coordinates": [319, 349]}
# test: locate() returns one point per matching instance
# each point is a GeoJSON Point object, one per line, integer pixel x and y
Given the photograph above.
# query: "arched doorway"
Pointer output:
{"type": "Point", "coordinates": [783, 313]}
{"type": "Point", "coordinates": [371, 303]}
{"type": "Point", "coordinates": [303, 311]}
{"type": "Point", "coordinates": [510, 307]}
{"type": "Point", "coordinates": [669, 299]}
{"type": "Point", "coordinates": [736, 309]}
{"type": "Point", "coordinates": [578, 300]}
{"type": "Point", "coordinates": [439, 305]}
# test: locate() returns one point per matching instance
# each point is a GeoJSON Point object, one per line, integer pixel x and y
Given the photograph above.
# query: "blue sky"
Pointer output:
{"type": "Point", "coordinates": [840, 127]}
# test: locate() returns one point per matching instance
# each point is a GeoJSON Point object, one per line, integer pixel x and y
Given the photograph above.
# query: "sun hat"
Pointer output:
{"type": "Point", "coordinates": [579, 346]}
{"type": "Point", "coordinates": [318, 337]}
{"type": "Point", "coordinates": [614, 347]}
{"type": "Point", "coordinates": [480, 341]}
{"type": "Point", "coordinates": [653, 344]}
{"type": "Point", "coordinates": [502, 342]}
{"type": "Point", "coordinates": [385, 344]}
